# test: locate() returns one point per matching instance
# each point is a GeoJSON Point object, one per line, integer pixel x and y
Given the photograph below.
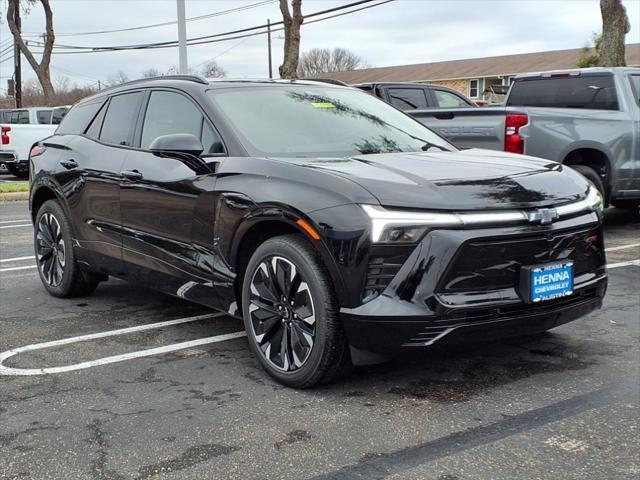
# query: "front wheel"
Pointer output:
{"type": "Point", "coordinates": [55, 258]}
{"type": "Point", "coordinates": [291, 314]}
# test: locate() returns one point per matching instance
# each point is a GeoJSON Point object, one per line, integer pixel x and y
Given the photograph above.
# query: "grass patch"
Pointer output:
{"type": "Point", "coordinates": [8, 187]}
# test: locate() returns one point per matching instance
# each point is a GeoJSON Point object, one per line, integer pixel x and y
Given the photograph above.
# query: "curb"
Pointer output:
{"type": "Point", "coordinates": [14, 197]}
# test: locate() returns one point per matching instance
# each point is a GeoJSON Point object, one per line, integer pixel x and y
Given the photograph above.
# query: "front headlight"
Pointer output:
{"type": "Point", "coordinates": [397, 226]}
{"type": "Point", "coordinates": [594, 200]}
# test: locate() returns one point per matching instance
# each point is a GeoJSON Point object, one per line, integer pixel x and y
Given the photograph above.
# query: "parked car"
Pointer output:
{"type": "Point", "coordinates": [337, 227]}
{"type": "Point", "coordinates": [416, 96]}
{"type": "Point", "coordinates": [588, 119]}
{"type": "Point", "coordinates": [20, 129]}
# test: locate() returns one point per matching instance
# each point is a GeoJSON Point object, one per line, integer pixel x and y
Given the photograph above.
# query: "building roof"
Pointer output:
{"type": "Point", "coordinates": [476, 67]}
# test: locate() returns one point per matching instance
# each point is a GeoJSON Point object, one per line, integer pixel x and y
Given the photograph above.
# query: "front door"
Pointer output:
{"type": "Point", "coordinates": [165, 200]}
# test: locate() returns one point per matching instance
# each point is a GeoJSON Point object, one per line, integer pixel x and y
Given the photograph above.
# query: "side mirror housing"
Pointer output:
{"type": "Point", "coordinates": [177, 143]}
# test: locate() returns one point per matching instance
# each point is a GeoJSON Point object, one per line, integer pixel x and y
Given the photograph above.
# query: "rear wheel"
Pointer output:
{"type": "Point", "coordinates": [55, 259]}
{"type": "Point", "coordinates": [291, 314]}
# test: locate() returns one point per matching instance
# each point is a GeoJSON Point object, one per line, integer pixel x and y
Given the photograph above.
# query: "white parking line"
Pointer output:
{"type": "Point", "coordinates": [16, 259]}
{"type": "Point", "coordinates": [16, 226]}
{"type": "Point", "coordinates": [621, 247]}
{"type": "Point", "coordinates": [624, 264]}
{"type": "Point", "coordinates": [12, 269]}
{"type": "Point", "coordinates": [14, 221]}
{"type": "Point", "coordinates": [115, 358]}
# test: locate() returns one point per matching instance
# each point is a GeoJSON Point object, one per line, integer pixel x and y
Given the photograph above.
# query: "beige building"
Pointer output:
{"type": "Point", "coordinates": [474, 76]}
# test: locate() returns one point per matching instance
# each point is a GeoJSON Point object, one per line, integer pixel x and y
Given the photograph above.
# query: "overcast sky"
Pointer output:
{"type": "Point", "coordinates": [400, 32]}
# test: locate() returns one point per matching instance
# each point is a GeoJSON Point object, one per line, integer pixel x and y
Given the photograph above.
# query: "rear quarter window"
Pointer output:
{"type": "Point", "coordinates": [596, 92]}
{"type": "Point", "coordinates": [78, 118]}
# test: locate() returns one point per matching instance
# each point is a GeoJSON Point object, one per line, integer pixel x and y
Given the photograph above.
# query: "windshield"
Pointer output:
{"type": "Point", "coordinates": [313, 121]}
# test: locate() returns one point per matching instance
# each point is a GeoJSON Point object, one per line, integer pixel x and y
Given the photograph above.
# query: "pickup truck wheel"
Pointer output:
{"type": "Point", "coordinates": [55, 259]}
{"type": "Point", "coordinates": [291, 314]}
{"type": "Point", "coordinates": [592, 176]}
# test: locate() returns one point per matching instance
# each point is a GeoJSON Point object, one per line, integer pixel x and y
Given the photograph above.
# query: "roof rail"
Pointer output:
{"type": "Point", "coordinates": [189, 78]}
{"type": "Point", "coordinates": [332, 81]}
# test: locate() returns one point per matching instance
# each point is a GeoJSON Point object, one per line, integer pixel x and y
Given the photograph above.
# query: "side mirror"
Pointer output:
{"type": "Point", "coordinates": [177, 143]}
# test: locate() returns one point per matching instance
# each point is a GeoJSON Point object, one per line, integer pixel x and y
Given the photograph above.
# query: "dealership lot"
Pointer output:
{"type": "Point", "coordinates": [558, 405]}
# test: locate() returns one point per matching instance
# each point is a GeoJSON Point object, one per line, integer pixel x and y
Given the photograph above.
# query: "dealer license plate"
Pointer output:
{"type": "Point", "coordinates": [540, 283]}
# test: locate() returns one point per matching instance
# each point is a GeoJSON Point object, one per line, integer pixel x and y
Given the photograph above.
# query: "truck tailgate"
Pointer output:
{"type": "Point", "coordinates": [466, 127]}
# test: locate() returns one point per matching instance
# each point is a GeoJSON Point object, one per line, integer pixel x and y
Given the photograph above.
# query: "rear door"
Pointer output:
{"type": "Point", "coordinates": [165, 198]}
{"type": "Point", "coordinates": [91, 167]}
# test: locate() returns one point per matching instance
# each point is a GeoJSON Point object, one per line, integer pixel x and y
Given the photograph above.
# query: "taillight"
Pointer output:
{"type": "Point", "coordinates": [4, 134]}
{"type": "Point", "coordinates": [513, 142]}
{"type": "Point", "coordinates": [36, 150]}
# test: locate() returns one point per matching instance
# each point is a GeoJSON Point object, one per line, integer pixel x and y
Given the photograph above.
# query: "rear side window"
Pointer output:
{"type": "Point", "coordinates": [58, 115]}
{"type": "Point", "coordinates": [44, 117]}
{"type": "Point", "coordinates": [119, 119]}
{"type": "Point", "coordinates": [77, 119]}
{"type": "Point", "coordinates": [596, 92]}
{"type": "Point", "coordinates": [23, 117]}
{"type": "Point", "coordinates": [408, 98]}
{"type": "Point", "coordinates": [446, 99]}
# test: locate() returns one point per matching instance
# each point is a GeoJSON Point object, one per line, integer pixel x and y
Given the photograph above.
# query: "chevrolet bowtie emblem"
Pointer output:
{"type": "Point", "coordinates": [542, 216]}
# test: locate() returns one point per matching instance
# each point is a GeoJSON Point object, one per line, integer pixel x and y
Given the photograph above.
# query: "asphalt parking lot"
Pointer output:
{"type": "Point", "coordinates": [561, 405]}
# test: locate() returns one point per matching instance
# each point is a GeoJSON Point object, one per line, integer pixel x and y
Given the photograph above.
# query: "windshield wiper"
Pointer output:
{"type": "Point", "coordinates": [428, 145]}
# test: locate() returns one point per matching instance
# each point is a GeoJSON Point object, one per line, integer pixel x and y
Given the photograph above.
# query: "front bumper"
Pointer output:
{"type": "Point", "coordinates": [463, 285]}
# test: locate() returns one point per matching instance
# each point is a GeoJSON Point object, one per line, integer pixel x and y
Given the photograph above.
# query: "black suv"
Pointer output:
{"type": "Point", "coordinates": [337, 227]}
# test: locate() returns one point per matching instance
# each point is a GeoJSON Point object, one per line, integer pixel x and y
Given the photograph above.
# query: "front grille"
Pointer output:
{"type": "Point", "coordinates": [465, 318]}
{"type": "Point", "coordinates": [481, 265]}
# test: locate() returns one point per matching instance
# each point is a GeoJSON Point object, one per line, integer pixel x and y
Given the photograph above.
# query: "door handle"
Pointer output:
{"type": "Point", "coordinates": [131, 174]}
{"type": "Point", "coordinates": [69, 164]}
{"type": "Point", "coordinates": [444, 116]}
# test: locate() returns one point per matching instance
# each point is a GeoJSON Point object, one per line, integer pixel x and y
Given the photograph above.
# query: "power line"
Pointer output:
{"type": "Point", "coordinates": [236, 34]}
{"type": "Point", "coordinates": [163, 24]}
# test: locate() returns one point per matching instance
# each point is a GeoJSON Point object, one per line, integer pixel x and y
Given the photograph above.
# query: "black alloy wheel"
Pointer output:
{"type": "Point", "coordinates": [55, 257]}
{"type": "Point", "coordinates": [282, 313]}
{"type": "Point", "coordinates": [290, 313]}
{"type": "Point", "coordinates": [50, 250]}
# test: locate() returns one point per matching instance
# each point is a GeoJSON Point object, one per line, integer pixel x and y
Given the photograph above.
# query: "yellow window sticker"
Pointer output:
{"type": "Point", "coordinates": [323, 104]}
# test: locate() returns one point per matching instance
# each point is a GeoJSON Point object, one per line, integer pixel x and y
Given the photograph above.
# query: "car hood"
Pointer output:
{"type": "Point", "coordinates": [471, 179]}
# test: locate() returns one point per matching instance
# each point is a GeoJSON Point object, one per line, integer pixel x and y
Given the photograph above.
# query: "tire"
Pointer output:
{"type": "Point", "coordinates": [626, 204]}
{"type": "Point", "coordinates": [592, 176]}
{"type": "Point", "coordinates": [315, 349]}
{"type": "Point", "coordinates": [56, 262]}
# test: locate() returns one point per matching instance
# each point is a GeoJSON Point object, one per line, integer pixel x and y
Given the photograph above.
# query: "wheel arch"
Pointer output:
{"type": "Point", "coordinates": [256, 230]}
{"type": "Point", "coordinates": [593, 155]}
{"type": "Point", "coordinates": [41, 194]}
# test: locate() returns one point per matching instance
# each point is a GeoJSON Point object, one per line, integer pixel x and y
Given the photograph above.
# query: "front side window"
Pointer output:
{"type": "Point", "coordinates": [585, 91]}
{"type": "Point", "coordinates": [58, 115]}
{"type": "Point", "coordinates": [408, 98]}
{"type": "Point", "coordinates": [319, 121]}
{"type": "Point", "coordinates": [44, 117]}
{"type": "Point", "coordinates": [169, 112]}
{"type": "Point", "coordinates": [449, 100]}
{"type": "Point", "coordinates": [119, 119]}
{"type": "Point", "coordinates": [474, 87]}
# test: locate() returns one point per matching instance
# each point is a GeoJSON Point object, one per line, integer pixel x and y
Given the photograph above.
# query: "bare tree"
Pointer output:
{"type": "Point", "coordinates": [292, 21]}
{"type": "Point", "coordinates": [117, 78]}
{"type": "Point", "coordinates": [40, 68]}
{"type": "Point", "coordinates": [322, 60]}
{"type": "Point", "coordinates": [63, 84]}
{"type": "Point", "coordinates": [615, 25]}
{"type": "Point", "coordinates": [211, 69]}
{"type": "Point", "coordinates": [151, 72]}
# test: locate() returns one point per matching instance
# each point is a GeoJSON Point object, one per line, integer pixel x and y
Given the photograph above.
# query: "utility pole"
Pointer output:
{"type": "Point", "coordinates": [182, 38]}
{"type": "Point", "coordinates": [269, 46]}
{"type": "Point", "coordinates": [17, 75]}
